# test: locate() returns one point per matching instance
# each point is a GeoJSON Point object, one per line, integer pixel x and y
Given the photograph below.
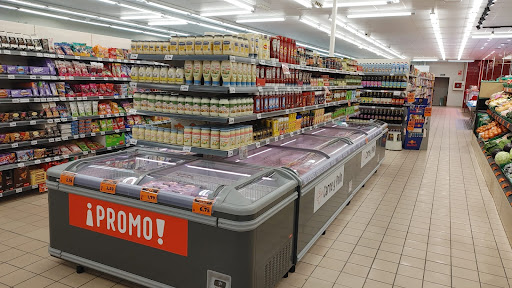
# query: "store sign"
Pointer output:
{"type": "Point", "coordinates": [144, 227]}
{"type": "Point", "coordinates": [328, 187]}
{"type": "Point", "coordinates": [368, 153]}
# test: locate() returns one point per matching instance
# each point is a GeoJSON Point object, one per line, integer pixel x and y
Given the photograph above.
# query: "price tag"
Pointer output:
{"type": "Point", "coordinates": [64, 138]}
{"type": "Point", "coordinates": [33, 142]}
{"type": "Point", "coordinates": [33, 77]}
{"type": "Point", "coordinates": [258, 144]}
{"type": "Point", "coordinates": [82, 135]}
{"type": "Point", "coordinates": [396, 93]}
{"type": "Point", "coordinates": [19, 190]}
{"type": "Point", "coordinates": [108, 186]}
{"type": "Point", "coordinates": [102, 116]}
{"type": "Point", "coordinates": [187, 148]}
{"type": "Point", "coordinates": [21, 165]}
{"type": "Point", "coordinates": [105, 78]}
{"type": "Point", "coordinates": [11, 76]}
{"type": "Point", "coordinates": [230, 153]}
{"type": "Point", "coordinates": [65, 156]}
{"type": "Point", "coordinates": [56, 158]}
{"type": "Point", "coordinates": [410, 126]}
{"type": "Point", "coordinates": [14, 145]}
{"type": "Point", "coordinates": [117, 131]}
{"type": "Point", "coordinates": [62, 77]}
{"type": "Point", "coordinates": [12, 124]}
{"type": "Point", "coordinates": [37, 99]}
{"type": "Point", "coordinates": [7, 52]}
{"type": "Point", "coordinates": [149, 195]}
{"type": "Point", "coordinates": [262, 62]}
{"type": "Point", "coordinates": [110, 59]}
{"type": "Point", "coordinates": [109, 148]}
{"type": "Point", "coordinates": [47, 159]}
{"type": "Point", "coordinates": [276, 138]}
{"type": "Point", "coordinates": [93, 78]}
{"type": "Point", "coordinates": [51, 140]}
{"type": "Point", "coordinates": [303, 108]}
{"type": "Point", "coordinates": [134, 56]}
{"type": "Point", "coordinates": [85, 152]}
{"type": "Point", "coordinates": [232, 90]}
{"type": "Point", "coordinates": [253, 61]}
{"type": "Point", "coordinates": [67, 178]}
{"type": "Point", "coordinates": [116, 78]}
{"type": "Point", "coordinates": [276, 88]}
{"type": "Point", "coordinates": [39, 54]}
{"type": "Point", "coordinates": [428, 111]}
{"type": "Point", "coordinates": [58, 139]}
{"type": "Point", "coordinates": [57, 120]}
{"type": "Point", "coordinates": [184, 88]}
{"type": "Point", "coordinates": [258, 116]}
{"type": "Point", "coordinates": [101, 97]}
{"type": "Point", "coordinates": [93, 134]}
{"type": "Point", "coordinates": [202, 206]}
{"type": "Point", "coordinates": [287, 111]}
{"type": "Point", "coordinates": [75, 136]}
{"type": "Point", "coordinates": [49, 121]}
{"type": "Point", "coordinates": [267, 141]}
{"type": "Point", "coordinates": [281, 137]}
{"type": "Point", "coordinates": [291, 133]}
{"type": "Point", "coordinates": [99, 59]}
{"type": "Point", "coordinates": [37, 162]}
{"type": "Point", "coordinates": [74, 118]}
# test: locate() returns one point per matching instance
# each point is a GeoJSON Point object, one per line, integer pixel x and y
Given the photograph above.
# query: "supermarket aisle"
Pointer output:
{"type": "Point", "coordinates": [424, 220]}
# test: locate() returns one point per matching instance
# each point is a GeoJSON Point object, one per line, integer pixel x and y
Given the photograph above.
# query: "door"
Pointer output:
{"type": "Point", "coordinates": [441, 91]}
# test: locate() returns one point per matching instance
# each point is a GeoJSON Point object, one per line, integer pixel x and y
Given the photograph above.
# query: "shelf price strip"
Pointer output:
{"type": "Point", "coordinates": [108, 186]}
{"type": "Point", "coordinates": [149, 194]}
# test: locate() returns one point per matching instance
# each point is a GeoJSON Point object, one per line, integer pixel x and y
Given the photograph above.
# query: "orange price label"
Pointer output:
{"type": "Point", "coordinates": [410, 126]}
{"type": "Point", "coordinates": [149, 194]}
{"type": "Point", "coordinates": [410, 98]}
{"type": "Point", "coordinates": [202, 206]}
{"type": "Point", "coordinates": [428, 111]}
{"type": "Point", "coordinates": [67, 178]}
{"type": "Point", "coordinates": [108, 186]}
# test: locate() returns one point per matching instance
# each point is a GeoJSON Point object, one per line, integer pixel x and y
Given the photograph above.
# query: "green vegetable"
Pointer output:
{"type": "Point", "coordinates": [502, 158]}
{"type": "Point", "coordinates": [503, 143]}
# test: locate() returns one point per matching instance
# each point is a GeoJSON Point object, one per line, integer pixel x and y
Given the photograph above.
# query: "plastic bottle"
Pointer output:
{"type": "Point", "coordinates": [182, 45]}
{"type": "Point", "coordinates": [240, 74]}
{"type": "Point", "coordinates": [154, 132]}
{"type": "Point", "coordinates": [144, 101]}
{"type": "Point", "coordinates": [173, 104]}
{"type": "Point", "coordinates": [173, 47]}
{"type": "Point", "coordinates": [171, 75]}
{"type": "Point", "coordinates": [135, 132]}
{"type": "Point", "coordinates": [151, 102]}
{"type": "Point", "coordinates": [142, 74]}
{"type": "Point", "coordinates": [189, 103]}
{"type": "Point", "coordinates": [187, 136]}
{"type": "Point", "coordinates": [149, 74]}
{"type": "Point", "coordinates": [226, 72]}
{"type": "Point", "coordinates": [134, 73]}
{"type": "Point", "coordinates": [158, 103]}
{"type": "Point", "coordinates": [167, 135]}
{"type": "Point", "coordinates": [198, 72]}
{"type": "Point", "coordinates": [160, 135]}
{"type": "Point", "coordinates": [214, 107]}
{"type": "Point", "coordinates": [215, 72]}
{"type": "Point", "coordinates": [147, 133]}
{"type": "Point", "coordinates": [164, 73]}
{"type": "Point", "coordinates": [198, 46]}
{"type": "Point", "coordinates": [179, 137]}
{"type": "Point", "coordinates": [233, 107]}
{"type": "Point", "coordinates": [189, 72]}
{"type": "Point", "coordinates": [196, 136]}
{"type": "Point", "coordinates": [205, 137]}
{"type": "Point", "coordinates": [137, 101]}
{"type": "Point", "coordinates": [180, 107]}
{"type": "Point", "coordinates": [180, 76]}
{"type": "Point", "coordinates": [156, 74]}
{"type": "Point", "coordinates": [174, 135]}
{"type": "Point", "coordinates": [196, 106]}
{"type": "Point", "coordinates": [215, 138]}
{"type": "Point", "coordinates": [205, 106]}
{"type": "Point", "coordinates": [166, 103]}
{"type": "Point", "coordinates": [224, 140]}
{"type": "Point", "coordinates": [224, 107]}
{"type": "Point", "coordinates": [207, 76]}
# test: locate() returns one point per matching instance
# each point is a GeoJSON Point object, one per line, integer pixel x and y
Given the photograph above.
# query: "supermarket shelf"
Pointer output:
{"type": "Point", "coordinates": [383, 74]}
{"type": "Point", "coordinates": [379, 89]}
{"type": "Point", "coordinates": [241, 119]}
{"type": "Point", "coordinates": [235, 90]}
{"type": "Point", "coordinates": [69, 57]}
{"type": "Point", "coordinates": [58, 139]}
{"type": "Point", "coordinates": [383, 91]}
{"type": "Point", "coordinates": [503, 180]}
{"type": "Point", "coordinates": [502, 120]}
{"type": "Point", "coordinates": [18, 190]}
{"type": "Point", "coordinates": [61, 78]}
{"type": "Point", "coordinates": [60, 99]}
{"type": "Point", "coordinates": [57, 120]}
{"type": "Point", "coordinates": [59, 157]}
{"type": "Point", "coordinates": [229, 153]}
{"type": "Point", "coordinates": [376, 106]}
{"type": "Point", "coordinates": [161, 57]}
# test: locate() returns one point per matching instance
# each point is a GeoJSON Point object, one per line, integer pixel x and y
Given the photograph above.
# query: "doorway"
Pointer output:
{"type": "Point", "coordinates": [441, 91]}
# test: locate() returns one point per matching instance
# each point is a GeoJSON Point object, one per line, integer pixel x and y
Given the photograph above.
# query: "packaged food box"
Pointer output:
{"type": "Point", "coordinates": [21, 177]}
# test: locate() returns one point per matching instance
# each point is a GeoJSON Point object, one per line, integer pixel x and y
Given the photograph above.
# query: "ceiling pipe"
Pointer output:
{"type": "Point", "coordinates": [332, 43]}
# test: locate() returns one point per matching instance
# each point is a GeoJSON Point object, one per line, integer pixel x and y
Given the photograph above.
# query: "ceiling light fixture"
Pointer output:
{"type": "Point", "coordinates": [166, 22]}
{"type": "Point", "coordinates": [489, 55]}
{"type": "Point", "coordinates": [26, 3]}
{"type": "Point", "coordinates": [217, 28]}
{"type": "Point", "coordinates": [305, 3]}
{"type": "Point", "coordinates": [437, 31]}
{"type": "Point", "coordinates": [225, 13]}
{"type": "Point", "coordinates": [269, 19]}
{"type": "Point", "coordinates": [142, 17]}
{"type": "Point", "coordinates": [491, 35]}
{"type": "Point", "coordinates": [108, 1]}
{"type": "Point", "coordinates": [43, 14]}
{"type": "Point", "coordinates": [461, 61]}
{"type": "Point", "coordinates": [8, 7]}
{"type": "Point", "coordinates": [380, 14]}
{"type": "Point", "coordinates": [72, 12]}
{"type": "Point", "coordinates": [167, 8]}
{"type": "Point", "coordinates": [469, 25]}
{"type": "Point", "coordinates": [361, 3]}
{"type": "Point", "coordinates": [240, 4]}
{"type": "Point", "coordinates": [126, 29]}
{"type": "Point", "coordinates": [425, 59]}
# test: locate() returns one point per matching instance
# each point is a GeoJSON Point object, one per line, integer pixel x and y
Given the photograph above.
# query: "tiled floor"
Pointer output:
{"type": "Point", "coordinates": [425, 219]}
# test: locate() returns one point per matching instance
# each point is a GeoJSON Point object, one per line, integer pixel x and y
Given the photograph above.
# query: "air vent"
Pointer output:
{"type": "Point", "coordinates": [278, 265]}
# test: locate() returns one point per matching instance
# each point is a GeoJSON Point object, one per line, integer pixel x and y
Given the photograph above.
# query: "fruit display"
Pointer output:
{"type": "Point", "coordinates": [491, 130]}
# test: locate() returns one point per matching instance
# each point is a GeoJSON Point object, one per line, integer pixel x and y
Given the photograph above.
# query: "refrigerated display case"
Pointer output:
{"type": "Point", "coordinates": [204, 223]}
{"type": "Point", "coordinates": [319, 158]}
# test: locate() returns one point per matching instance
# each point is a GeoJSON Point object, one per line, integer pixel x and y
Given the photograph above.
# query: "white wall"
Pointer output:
{"type": "Point", "coordinates": [450, 70]}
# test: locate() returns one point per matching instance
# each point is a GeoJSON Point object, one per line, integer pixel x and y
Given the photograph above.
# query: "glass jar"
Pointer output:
{"type": "Point", "coordinates": [205, 137]}
{"type": "Point", "coordinates": [196, 137]}
{"type": "Point", "coordinates": [187, 136]}
{"type": "Point", "coordinates": [215, 138]}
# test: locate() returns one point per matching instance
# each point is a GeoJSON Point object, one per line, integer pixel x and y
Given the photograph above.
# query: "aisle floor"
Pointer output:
{"type": "Point", "coordinates": [425, 219]}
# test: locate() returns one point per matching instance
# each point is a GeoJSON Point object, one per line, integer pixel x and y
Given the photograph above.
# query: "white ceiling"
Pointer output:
{"type": "Point", "coordinates": [411, 35]}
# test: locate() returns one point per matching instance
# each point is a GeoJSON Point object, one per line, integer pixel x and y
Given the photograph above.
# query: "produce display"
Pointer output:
{"type": "Point", "coordinates": [491, 130]}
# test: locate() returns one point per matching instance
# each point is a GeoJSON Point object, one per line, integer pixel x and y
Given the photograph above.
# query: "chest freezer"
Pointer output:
{"type": "Point", "coordinates": [167, 220]}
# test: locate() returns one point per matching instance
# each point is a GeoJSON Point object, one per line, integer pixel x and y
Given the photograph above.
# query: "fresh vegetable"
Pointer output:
{"type": "Point", "coordinates": [502, 158]}
{"type": "Point", "coordinates": [495, 151]}
{"type": "Point", "coordinates": [503, 142]}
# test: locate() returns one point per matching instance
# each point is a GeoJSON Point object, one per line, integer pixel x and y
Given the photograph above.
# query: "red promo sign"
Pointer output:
{"type": "Point", "coordinates": [144, 227]}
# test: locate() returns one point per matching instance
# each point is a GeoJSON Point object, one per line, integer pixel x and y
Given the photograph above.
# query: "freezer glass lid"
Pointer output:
{"type": "Point", "coordinates": [127, 166]}
{"type": "Point", "coordinates": [199, 178]}
{"type": "Point", "coordinates": [325, 143]}
{"type": "Point", "coordinates": [366, 127]}
{"type": "Point", "coordinates": [278, 156]}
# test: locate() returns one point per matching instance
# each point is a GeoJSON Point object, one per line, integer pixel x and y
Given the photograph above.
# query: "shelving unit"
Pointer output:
{"type": "Point", "coordinates": [61, 99]}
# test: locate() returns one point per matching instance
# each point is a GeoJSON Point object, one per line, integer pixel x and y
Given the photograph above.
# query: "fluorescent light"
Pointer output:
{"type": "Point", "coordinates": [71, 12]}
{"type": "Point", "coordinates": [165, 22]}
{"type": "Point", "coordinates": [305, 3]}
{"type": "Point", "coordinates": [134, 8]}
{"type": "Point", "coordinates": [461, 61]}
{"type": "Point", "coordinates": [89, 22]}
{"type": "Point", "coordinates": [43, 14]}
{"type": "Point", "coordinates": [136, 17]}
{"type": "Point", "coordinates": [489, 55]}
{"type": "Point", "coordinates": [108, 1]}
{"type": "Point", "coordinates": [357, 4]}
{"type": "Point", "coordinates": [26, 3]}
{"type": "Point", "coordinates": [490, 35]}
{"type": "Point", "coordinates": [126, 29]}
{"type": "Point", "coordinates": [437, 31]}
{"type": "Point", "coordinates": [270, 19]}
{"type": "Point", "coordinates": [8, 7]}
{"type": "Point", "coordinates": [425, 59]}
{"type": "Point", "coordinates": [225, 13]}
{"type": "Point", "coordinates": [473, 14]}
{"type": "Point", "coordinates": [379, 14]}
{"type": "Point", "coordinates": [240, 4]}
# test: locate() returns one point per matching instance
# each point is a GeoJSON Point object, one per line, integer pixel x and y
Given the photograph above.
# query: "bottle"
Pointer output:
{"type": "Point", "coordinates": [214, 107]}
{"type": "Point", "coordinates": [154, 132]}
{"type": "Point", "coordinates": [135, 132]}
{"type": "Point", "coordinates": [224, 107]}
{"type": "Point", "coordinates": [189, 72]}
{"type": "Point", "coordinates": [142, 74]}
{"type": "Point", "coordinates": [180, 76]}
{"type": "Point", "coordinates": [158, 103]}
{"type": "Point", "coordinates": [196, 136]}
{"type": "Point", "coordinates": [189, 103]}
{"type": "Point", "coordinates": [147, 133]}
{"type": "Point", "coordinates": [164, 73]}
{"type": "Point", "coordinates": [137, 101]}
{"type": "Point", "coordinates": [196, 106]}
{"type": "Point", "coordinates": [160, 135]}
{"type": "Point", "coordinates": [224, 139]}
{"type": "Point", "coordinates": [166, 103]}
{"type": "Point", "coordinates": [215, 138]}
{"type": "Point", "coordinates": [207, 76]}
{"type": "Point", "coordinates": [205, 106]}
{"type": "Point", "coordinates": [179, 137]}
{"type": "Point", "coordinates": [205, 137]}
{"type": "Point", "coordinates": [226, 72]}
{"type": "Point", "coordinates": [144, 101]}
{"type": "Point", "coordinates": [187, 136]}
{"type": "Point", "coordinates": [149, 74]}
{"type": "Point", "coordinates": [198, 72]}
{"type": "Point", "coordinates": [134, 73]}
{"type": "Point", "coordinates": [156, 75]}
{"type": "Point", "coordinates": [215, 72]}
{"type": "Point", "coordinates": [233, 107]}
{"type": "Point", "coordinates": [171, 75]}
{"type": "Point", "coordinates": [151, 102]}
{"type": "Point", "coordinates": [180, 107]}
{"type": "Point", "coordinates": [174, 135]}
{"type": "Point", "coordinates": [173, 104]}
{"type": "Point", "coordinates": [167, 135]}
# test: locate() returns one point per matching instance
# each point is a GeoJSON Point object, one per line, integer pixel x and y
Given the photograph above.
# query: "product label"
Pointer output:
{"type": "Point", "coordinates": [328, 187]}
{"type": "Point", "coordinates": [131, 224]}
{"type": "Point", "coordinates": [368, 153]}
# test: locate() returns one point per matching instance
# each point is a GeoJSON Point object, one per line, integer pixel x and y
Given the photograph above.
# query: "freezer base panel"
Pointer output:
{"type": "Point", "coordinates": [257, 258]}
{"type": "Point", "coordinates": [316, 215]}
